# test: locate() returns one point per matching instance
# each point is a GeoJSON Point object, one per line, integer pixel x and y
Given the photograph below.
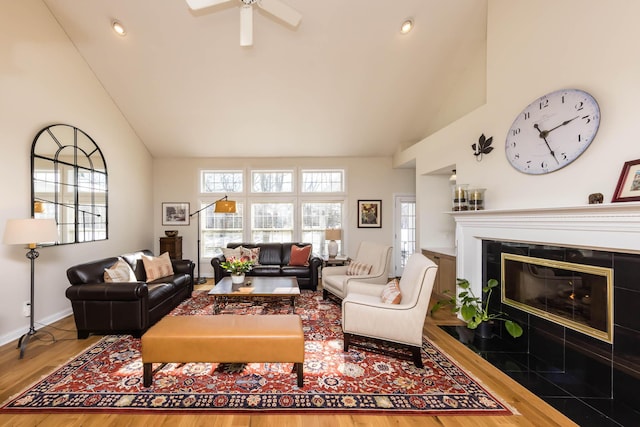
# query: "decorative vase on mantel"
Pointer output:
{"type": "Point", "coordinates": [237, 279]}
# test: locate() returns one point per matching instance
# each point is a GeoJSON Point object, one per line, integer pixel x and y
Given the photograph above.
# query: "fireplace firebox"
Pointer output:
{"type": "Point", "coordinates": [574, 295]}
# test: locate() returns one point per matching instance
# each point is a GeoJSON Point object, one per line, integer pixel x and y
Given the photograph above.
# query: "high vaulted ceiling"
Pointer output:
{"type": "Point", "coordinates": [345, 82]}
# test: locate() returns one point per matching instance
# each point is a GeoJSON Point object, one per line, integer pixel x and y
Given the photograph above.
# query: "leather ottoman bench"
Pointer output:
{"type": "Point", "coordinates": [226, 338]}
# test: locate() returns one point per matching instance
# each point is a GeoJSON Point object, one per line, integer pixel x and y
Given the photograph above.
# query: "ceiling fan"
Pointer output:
{"type": "Point", "coordinates": [275, 7]}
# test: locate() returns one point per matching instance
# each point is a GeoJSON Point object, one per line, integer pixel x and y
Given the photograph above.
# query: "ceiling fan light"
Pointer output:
{"type": "Point", "coordinates": [118, 28]}
{"type": "Point", "coordinates": [406, 26]}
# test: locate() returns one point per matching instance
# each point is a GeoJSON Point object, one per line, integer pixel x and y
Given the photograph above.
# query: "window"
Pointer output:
{"type": "Point", "coordinates": [272, 181]}
{"type": "Point", "coordinates": [221, 182]}
{"type": "Point", "coordinates": [322, 181]}
{"type": "Point", "coordinates": [270, 209]}
{"type": "Point", "coordinates": [271, 222]}
{"type": "Point", "coordinates": [316, 218]}
{"type": "Point", "coordinates": [218, 229]}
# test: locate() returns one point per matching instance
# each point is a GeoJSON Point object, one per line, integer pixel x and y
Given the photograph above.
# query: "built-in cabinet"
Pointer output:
{"type": "Point", "coordinates": [446, 276]}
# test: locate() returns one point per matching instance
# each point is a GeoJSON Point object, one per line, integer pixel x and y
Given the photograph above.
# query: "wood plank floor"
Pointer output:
{"type": "Point", "coordinates": [41, 357]}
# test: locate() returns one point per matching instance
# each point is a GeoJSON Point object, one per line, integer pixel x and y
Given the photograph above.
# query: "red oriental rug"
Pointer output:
{"type": "Point", "coordinates": [108, 377]}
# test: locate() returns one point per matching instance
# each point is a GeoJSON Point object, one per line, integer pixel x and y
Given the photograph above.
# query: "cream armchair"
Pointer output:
{"type": "Point", "coordinates": [336, 280]}
{"type": "Point", "coordinates": [364, 314]}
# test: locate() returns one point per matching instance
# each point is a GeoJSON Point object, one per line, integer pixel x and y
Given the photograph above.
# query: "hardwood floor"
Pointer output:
{"type": "Point", "coordinates": [41, 357]}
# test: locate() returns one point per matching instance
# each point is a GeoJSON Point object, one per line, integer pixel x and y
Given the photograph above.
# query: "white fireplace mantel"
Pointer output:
{"type": "Point", "coordinates": [613, 227]}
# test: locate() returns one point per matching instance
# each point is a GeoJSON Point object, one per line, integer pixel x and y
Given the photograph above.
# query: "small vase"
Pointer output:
{"type": "Point", "coordinates": [237, 279]}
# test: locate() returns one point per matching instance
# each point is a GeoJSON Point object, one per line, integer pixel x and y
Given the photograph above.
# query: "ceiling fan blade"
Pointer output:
{"type": "Point", "coordinates": [246, 25]}
{"type": "Point", "coordinates": [282, 11]}
{"type": "Point", "coordinates": [201, 4]}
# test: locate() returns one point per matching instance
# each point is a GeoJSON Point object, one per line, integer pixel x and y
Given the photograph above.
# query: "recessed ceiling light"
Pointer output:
{"type": "Point", "coordinates": [118, 28]}
{"type": "Point", "coordinates": [407, 26]}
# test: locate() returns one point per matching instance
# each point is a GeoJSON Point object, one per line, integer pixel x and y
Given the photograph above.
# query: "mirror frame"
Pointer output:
{"type": "Point", "coordinates": [74, 188]}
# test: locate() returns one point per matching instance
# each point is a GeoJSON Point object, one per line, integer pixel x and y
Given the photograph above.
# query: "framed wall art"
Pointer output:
{"type": "Point", "coordinates": [369, 213]}
{"type": "Point", "coordinates": [175, 213]}
{"type": "Point", "coordinates": [628, 188]}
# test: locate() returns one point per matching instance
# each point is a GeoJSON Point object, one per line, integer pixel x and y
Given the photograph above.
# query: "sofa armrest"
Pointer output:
{"type": "Point", "coordinates": [129, 291]}
{"type": "Point", "coordinates": [185, 266]}
{"type": "Point", "coordinates": [218, 271]}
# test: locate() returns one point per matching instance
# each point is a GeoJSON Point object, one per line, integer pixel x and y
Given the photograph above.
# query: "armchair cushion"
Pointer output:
{"type": "Point", "coordinates": [391, 293]}
{"type": "Point", "coordinates": [356, 268]}
{"type": "Point", "coordinates": [157, 267]}
{"type": "Point", "coordinates": [120, 272]}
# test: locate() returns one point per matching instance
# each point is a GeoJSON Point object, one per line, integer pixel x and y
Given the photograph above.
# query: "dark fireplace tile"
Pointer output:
{"type": "Point", "coordinates": [617, 410]}
{"type": "Point", "coordinates": [586, 375]}
{"type": "Point", "coordinates": [585, 343]}
{"type": "Point", "coordinates": [625, 351]}
{"type": "Point", "coordinates": [582, 413]}
{"type": "Point", "coordinates": [537, 384]}
{"type": "Point", "coordinates": [626, 268]}
{"type": "Point", "coordinates": [546, 342]}
{"type": "Point", "coordinates": [592, 257]}
{"type": "Point", "coordinates": [625, 387]}
{"type": "Point", "coordinates": [626, 308]}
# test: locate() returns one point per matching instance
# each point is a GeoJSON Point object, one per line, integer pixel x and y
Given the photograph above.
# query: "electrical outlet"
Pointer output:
{"type": "Point", "coordinates": [26, 309]}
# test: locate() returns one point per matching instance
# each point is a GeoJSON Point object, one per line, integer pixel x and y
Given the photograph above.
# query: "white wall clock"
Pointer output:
{"type": "Point", "coordinates": [552, 131]}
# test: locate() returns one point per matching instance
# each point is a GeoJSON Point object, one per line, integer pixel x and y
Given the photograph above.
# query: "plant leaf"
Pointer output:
{"type": "Point", "coordinates": [487, 150]}
{"type": "Point", "coordinates": [513, 328]}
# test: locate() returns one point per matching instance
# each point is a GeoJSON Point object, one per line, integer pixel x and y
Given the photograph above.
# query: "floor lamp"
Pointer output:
{"type": "Point", "coordinates": [31, 232]}
{"type": "Point", "coordinates": [223, 205]}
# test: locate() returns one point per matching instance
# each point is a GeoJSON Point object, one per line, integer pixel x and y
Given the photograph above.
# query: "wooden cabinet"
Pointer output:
{"type": "Point", "coordinates": [173, 245]}
{"type": "Point", "coordinates": [446, 276]}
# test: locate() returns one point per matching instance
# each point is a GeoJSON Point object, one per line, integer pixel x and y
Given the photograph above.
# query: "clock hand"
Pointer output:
{"type": "Point", "coordinates": [543, 134]}
{"type": "Point", "coordinates": [566, 122]}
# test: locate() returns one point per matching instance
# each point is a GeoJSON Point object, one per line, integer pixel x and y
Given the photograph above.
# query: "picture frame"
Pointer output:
{"type": "Point", "coordinates": [628, 187]}
{"type": "Point", "coordinates": [175, 213]}
{"type": "Point", "coordinates": [369, 213]}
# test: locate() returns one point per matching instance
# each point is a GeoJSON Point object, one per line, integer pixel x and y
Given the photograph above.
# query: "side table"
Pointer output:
{"type": "Point", "coordinates": [335, 261]}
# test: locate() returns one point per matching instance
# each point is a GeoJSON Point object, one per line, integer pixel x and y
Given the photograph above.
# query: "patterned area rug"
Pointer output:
{"type": "Point", "coordinates": [108, 376]}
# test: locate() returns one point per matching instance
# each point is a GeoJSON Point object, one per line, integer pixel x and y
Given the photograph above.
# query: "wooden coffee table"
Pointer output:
{"type": "Point", "coordinates": [255, 286]}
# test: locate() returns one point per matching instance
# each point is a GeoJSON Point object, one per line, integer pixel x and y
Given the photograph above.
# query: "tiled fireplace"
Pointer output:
{"type": "Point", "coordinates": [601, 365]}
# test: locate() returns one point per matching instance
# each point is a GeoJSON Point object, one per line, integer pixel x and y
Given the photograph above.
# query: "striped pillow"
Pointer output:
{"type": "Point", "coordinates": [391, 293]}
{"type": "Point", "coordinates": [356, 268]}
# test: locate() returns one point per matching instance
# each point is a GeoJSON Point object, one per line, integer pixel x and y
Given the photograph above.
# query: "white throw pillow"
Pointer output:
{"type": "Point", "coordinates": [121, 271]}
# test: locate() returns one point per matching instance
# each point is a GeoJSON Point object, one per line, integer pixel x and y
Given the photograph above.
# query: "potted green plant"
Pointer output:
{"type": "Point", "coordinates": [237, 267]}
{"type": "Point", "coordinates": [473, 311]}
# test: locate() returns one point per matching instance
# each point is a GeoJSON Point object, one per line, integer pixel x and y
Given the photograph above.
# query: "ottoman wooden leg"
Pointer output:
{"type": "Point", "coordinates": [147, 377]}
{"type": "Point", "coordinates": [298, 367]}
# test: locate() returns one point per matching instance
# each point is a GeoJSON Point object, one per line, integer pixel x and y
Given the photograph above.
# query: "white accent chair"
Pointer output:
{"type": "Point", "coordinates": [336, 280]}
{"type": "Point", "coordinates": [365, 315]}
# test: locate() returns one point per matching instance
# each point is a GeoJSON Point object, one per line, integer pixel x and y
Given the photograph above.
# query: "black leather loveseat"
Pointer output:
{"type": "Point", "coordinates": [125, 307]}
{"type": "Point", "coordinates": [274, 261]}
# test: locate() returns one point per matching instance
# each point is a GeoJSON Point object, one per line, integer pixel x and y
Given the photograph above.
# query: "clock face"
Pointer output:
{"type": "Point", "coordinates": [552, 131]}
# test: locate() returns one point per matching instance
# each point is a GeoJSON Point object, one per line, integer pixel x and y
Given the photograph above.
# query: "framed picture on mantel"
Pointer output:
{"type": "Point", "coordinates": [369, 213]}
{"type": "Point", "coordinates": [628, 188]}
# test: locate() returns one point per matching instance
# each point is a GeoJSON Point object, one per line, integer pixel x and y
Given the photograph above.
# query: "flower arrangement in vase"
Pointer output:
{"type": "Point", "coordinates": [237, 267]}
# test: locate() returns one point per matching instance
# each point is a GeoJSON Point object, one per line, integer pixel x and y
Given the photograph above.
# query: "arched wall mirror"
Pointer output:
{"type": "Point", "coordinates": [69, 183]}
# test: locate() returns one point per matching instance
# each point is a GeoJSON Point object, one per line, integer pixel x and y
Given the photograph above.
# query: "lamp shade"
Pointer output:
{"type": "Point", "coordinates": [225, 206]}
{"type": "Point", "coordinates": [333, 234]}
{"type": "Point", "coordinates": [30, 231]}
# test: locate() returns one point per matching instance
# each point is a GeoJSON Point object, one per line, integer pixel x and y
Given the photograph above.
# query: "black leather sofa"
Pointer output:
{"type": "Point", "coordinates": [129, 307]}
{"type": "Point", "coordinates": [274, 261]}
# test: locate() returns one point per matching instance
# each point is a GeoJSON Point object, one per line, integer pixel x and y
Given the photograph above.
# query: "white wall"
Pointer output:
{"type": "Point", "coordinates": [534, 48]}
{"type": "Point", "coordinates": [43, 80]}
{"type": "Point", "coordinates": [177, 180]}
